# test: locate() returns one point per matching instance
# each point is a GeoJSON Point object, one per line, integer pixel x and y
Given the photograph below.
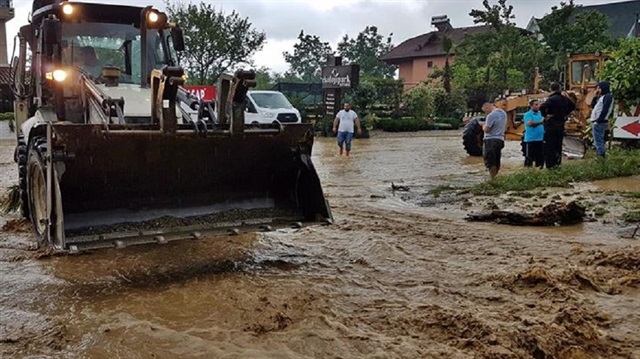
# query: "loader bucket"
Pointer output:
{"type": "Point", "coordinates": [121, 186]}
{"type": "Point", "coordinates": [573, 147]}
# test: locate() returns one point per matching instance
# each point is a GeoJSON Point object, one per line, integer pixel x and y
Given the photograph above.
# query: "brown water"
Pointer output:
{"type": "Point", "coordinates": [630, 184]}
{"type": "Point", "coordinates": [391, 279]}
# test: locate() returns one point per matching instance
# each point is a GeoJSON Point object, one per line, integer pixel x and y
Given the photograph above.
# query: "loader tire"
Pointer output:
{"type": "Point", "coordinates": [21, 159]}
{"type": "Point", "coordinates": [36, 179]}
{"type": "Point", "coordinates": [472, 137]}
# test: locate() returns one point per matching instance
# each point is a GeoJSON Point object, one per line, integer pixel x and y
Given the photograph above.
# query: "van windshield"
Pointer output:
{"type": "Point", "coordinates": [271, 100]}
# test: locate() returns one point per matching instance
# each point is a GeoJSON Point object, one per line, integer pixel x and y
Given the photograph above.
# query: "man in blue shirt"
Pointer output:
{"type": "Point", "coordinates": [533, 135]}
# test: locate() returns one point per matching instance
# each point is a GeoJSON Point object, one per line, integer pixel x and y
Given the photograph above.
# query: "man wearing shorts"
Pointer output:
{"type": "Point", "coordinates": [493, 127]}
{"type": "Point", "coordinates": [343, 125]}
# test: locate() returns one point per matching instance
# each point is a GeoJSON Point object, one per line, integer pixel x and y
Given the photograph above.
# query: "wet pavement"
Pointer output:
{"type": "Point", "coordinates": [397, 276]}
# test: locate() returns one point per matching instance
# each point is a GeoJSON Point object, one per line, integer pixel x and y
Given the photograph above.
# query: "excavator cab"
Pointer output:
{"type": "Point", "coordinates": [112, 151]}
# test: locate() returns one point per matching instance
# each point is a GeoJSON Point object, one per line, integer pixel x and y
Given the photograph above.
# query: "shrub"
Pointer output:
{"type": "Point", "coordinates": [6, 116]}
{"type": "Point", "coordinates": [420, 101]}
{"type": "Point", "coordinates": [370, 121]}
{"type": "Point", "coordinates": [404, 125]}
{"type": "Point", "coordinates": [431, 100]}
{"type": "Point", "coordinates": [454, 122]}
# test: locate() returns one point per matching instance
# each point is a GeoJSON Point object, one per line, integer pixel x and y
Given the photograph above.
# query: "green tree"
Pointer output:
{"type": "Point", "coordinates": [447, 46]}
{"type": "Point", "coordinates": [488, 61]}
{"type": "Point", "coordinates": [622, 70]}
{"type": "Point", "coordinates": [286, 77]}
{"type": "Point", "coordinates": [264, 80]}
{"type": "Point", "coordinates": [215, 42]}
{"type": "Point", "coordinates": [308, 57]}
{"type": "Point", "coordinates": [365, 50]}
{"type": "Point", "coordinates": [498, 16]}
{"type": "Point", "coordinates": [587, 31]}
{"type": "Point", "coordinates": [564, 34]}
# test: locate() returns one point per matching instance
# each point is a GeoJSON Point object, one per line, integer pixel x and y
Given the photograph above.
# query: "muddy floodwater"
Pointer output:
{"type": "Point", "coordinates": [400, 274]}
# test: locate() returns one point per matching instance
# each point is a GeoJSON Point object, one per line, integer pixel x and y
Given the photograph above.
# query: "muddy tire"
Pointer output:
{"type": "Point", "coordinates": [472, 137]}
{"type": "Point", "coordinates": [36, 181]}
{"type": "Point", "coordinates": [20, 157]}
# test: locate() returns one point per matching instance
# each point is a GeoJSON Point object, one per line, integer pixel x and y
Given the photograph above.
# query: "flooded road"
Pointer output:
{"type": "Point", "coordinates": [393, 278]}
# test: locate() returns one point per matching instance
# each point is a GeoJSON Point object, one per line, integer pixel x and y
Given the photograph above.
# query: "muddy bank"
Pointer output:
{"type": "Point", "coordinates": [400, 275]}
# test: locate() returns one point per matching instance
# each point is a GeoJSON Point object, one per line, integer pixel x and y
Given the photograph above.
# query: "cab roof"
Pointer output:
{"type": "Point", "coordinates": [90, 12]}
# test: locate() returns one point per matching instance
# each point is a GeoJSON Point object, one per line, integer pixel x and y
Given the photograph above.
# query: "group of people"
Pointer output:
{"type": "Point", "coordinates": [544, 128]}
{"type": "Point", "coordinates": [543, 134]}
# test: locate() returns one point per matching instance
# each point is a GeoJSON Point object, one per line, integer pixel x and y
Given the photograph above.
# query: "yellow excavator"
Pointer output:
{"type": "Point", "coordinates": [112, 151]}
{"type": "Point", "coordinates": [580, 84]}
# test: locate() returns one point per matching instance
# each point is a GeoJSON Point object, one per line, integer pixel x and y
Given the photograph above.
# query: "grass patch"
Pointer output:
{"type": "Point", "coordinates": [631, 194]}
{"type": "Point", "coordinates": [523, 194]}
{"type": "Point", "coordinates": [599, 212]}
{"type": "Point", "coordinates": [631, 216]}
{"type": "Point", "coordinates": [619, 163]}
{"type": "Point", "coordinates": [10, 202]}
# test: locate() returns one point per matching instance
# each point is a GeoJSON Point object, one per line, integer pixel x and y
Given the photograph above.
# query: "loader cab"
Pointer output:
{"type": "Point", "coordinates": [583, 70]}
{"type": "Point", "coordinates": [72, 41]}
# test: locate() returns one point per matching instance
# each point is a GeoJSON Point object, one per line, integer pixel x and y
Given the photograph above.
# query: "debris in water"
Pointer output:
{"type": "Point", "coordinates": [556, 213]}
{"type": "Point", "coordinates": [11, 201]}
{"type": "Point", "coordinates": [17, 225]}
{"type": "Point", "coordinates": [399, 188]}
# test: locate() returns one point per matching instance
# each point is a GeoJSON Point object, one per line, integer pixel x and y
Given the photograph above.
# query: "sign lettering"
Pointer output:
{"type": "Point", "coordinates": [207, 93]}
{"type": "Point", "coordinates": [337, 77]}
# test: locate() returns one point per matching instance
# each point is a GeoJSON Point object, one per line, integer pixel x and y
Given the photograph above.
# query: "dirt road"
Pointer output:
{"type": "Point", "coordinates": [400, 275]}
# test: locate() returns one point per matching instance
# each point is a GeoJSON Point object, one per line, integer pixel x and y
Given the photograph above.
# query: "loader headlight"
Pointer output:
{"type": "Point", "coordinates": [153, 17]}
{"type": "Point", "coordinates": [67, 9]}
{"type": "Point", "coordinates": [59, 75]}
{"type": "Point", "coordinates": [156, 19]}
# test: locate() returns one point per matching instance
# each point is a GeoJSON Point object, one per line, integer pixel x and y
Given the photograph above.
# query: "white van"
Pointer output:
{"type": "Point", "coordinates": [269, 106]}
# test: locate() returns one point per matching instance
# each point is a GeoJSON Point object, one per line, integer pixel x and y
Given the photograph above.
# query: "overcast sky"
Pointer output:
{"type": "Point", "coordinates": [282, 20]}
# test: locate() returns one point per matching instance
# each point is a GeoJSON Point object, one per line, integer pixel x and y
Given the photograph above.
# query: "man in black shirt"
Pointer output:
{"type": "Point", "coordinates": [555, 110]}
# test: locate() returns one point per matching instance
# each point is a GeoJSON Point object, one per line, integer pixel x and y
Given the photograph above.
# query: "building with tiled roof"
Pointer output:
{"type": "Point", "coordinates": [419, 56]}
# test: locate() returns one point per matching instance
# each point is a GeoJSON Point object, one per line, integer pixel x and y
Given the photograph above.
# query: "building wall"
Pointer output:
{"type": "Point", "coordinates": [405, 73]}
{"type": "Point", "coordinates": [415, 71]}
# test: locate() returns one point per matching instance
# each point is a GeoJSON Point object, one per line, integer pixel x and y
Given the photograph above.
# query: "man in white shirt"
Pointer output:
{"type": "Point", "coordinates": [343, 125]}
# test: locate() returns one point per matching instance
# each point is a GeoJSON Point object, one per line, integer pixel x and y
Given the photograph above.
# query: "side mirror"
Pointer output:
{"type": "Point", "coordinates": [50, 36]}
{"type": "Point", "coordinates": [178, 39]}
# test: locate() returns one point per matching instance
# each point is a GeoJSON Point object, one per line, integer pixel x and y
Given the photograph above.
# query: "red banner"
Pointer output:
{"type": "Point", "coordinates": [202, 92]}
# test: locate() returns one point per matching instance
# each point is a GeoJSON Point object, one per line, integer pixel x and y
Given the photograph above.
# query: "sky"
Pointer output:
{"type": "Point", "coordinates": [282, 20]}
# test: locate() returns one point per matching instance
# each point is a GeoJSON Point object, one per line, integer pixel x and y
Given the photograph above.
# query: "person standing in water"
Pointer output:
{"type": "Point", "coordinates": [344, 124]}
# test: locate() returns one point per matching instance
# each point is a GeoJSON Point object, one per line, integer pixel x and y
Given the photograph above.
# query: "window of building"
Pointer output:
{"type": "Point", "coordinates": [429, 64]}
